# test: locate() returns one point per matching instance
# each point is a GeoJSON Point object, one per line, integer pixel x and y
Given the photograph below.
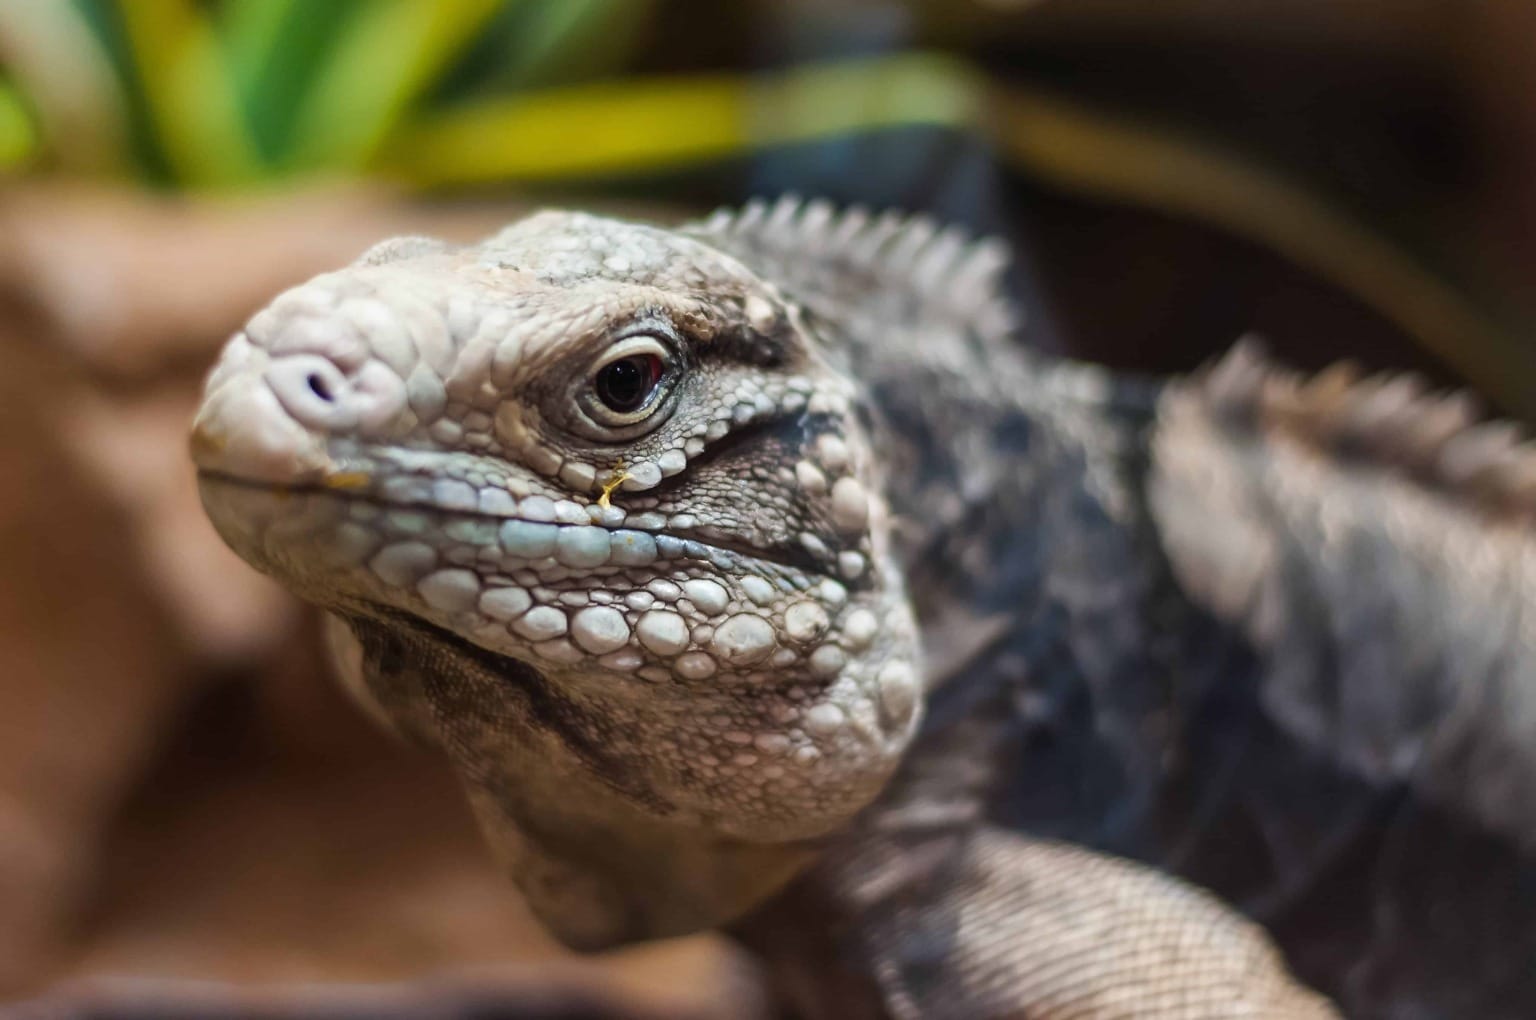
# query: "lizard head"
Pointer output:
{"type": "Point", "coordinates": [604, 521]}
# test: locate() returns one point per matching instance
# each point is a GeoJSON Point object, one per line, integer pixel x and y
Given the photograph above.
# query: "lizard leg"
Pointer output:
{"type": "Point", "coordinates": [1000, 925]}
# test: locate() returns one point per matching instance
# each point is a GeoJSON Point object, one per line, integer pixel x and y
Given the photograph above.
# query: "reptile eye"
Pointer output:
{"type": "Point", "coordinates": [628, 385]}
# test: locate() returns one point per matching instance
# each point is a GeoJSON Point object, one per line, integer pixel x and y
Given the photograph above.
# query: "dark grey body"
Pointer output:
{"type": "Point", "coordinates": [1344, 751]}
{"type": "Point", "coordinates": [895, 646]}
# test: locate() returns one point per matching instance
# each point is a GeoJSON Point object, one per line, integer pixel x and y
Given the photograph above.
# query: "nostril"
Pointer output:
{"type": "Point", "coordinates": [320, 387]}
{"type": "Point", "coordinates": [314, 390]}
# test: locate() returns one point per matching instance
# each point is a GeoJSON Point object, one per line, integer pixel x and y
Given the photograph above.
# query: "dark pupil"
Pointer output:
{"type": "Point", "coordinates": [624, 385]}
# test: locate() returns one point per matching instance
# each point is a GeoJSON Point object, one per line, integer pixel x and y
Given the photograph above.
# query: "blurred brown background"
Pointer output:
{"type": "Point", "coordinates": [184, 797]}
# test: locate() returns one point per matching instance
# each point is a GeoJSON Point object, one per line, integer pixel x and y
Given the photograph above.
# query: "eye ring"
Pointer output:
{"type": "Point", "coordinates": [629, 383]}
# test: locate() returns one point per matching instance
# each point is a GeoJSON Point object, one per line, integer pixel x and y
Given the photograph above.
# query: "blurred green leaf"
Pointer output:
{"type": "Point", "coordinates": [577, 131]}
{"type": "Point", "coordinates": [640, 125]}
{"type": "Point", "coordinates": [387, 56]}
{"type": "Point", "coordinates": [55, 60]}
{"type": "Point", "coordinates": [907, 90]}
{"type": "Point", "coordinates": [18, 138]}
{"type": "Point", "coordinates": [192, 103]}
{"type": "Point", "coordinates": [277, 49]}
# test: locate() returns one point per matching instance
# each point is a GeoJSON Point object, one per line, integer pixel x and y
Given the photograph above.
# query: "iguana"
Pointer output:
{"type": "Point", "coordinates": [754, 574]}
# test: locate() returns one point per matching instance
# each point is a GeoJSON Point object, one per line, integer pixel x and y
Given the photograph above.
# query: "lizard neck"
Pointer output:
{"type": "Point", "coordinates": [1014, 497]}
{"type": "Point", "coordinates": [1028, 554]}
{"type": "Point", "coordinates": [595, 861]}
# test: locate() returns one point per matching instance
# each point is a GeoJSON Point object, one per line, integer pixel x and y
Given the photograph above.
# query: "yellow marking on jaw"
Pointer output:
{"type": "Point", "coordinates": [207, 444]}
{"type": "Point", "coordinates": [347, 480]}
{"type": "Point", "coordinates": [618, 478]}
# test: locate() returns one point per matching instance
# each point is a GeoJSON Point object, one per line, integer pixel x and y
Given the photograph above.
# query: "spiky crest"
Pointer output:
{"type": "Point", "coordinates": [1389, 420]}
{"type": "Point", "coordinates": [945, 268]}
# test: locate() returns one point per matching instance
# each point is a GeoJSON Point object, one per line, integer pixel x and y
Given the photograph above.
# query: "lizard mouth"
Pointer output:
{"type": "Point", "coordinates": [538, 527]}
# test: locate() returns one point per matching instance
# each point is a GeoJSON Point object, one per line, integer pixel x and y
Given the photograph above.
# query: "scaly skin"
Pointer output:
{"type": "Point", "coordinates": [894, 646]}
{"type": "Point", "coordinates": [710, 655]}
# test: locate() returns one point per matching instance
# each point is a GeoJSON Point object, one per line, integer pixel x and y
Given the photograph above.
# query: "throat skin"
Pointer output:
{"type": "Point", "coordinates": [564, 801]}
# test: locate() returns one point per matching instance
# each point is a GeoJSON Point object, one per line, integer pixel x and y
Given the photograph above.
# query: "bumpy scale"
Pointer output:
{"type": "Point", "coordinates": [702, 586]}
{"type": "Point", "coordinates": [753, 574]}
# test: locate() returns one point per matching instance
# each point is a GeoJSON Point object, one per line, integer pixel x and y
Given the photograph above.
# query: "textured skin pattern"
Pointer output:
{"type": "Point", "coordinates": [1012, 927]}
{"type": "Point", "coordinates": [1375, 554]}
{"type": "Point", "coordinates": [964, 631]}
{"type": "Point", "coordinates": [699, 589]}
{"type": "Point", "coordinates": [941, 913]}
{"type": "Point", "coordinates": [1073, 933]}
{"type": "Point", "coordinates": [1084, 555]}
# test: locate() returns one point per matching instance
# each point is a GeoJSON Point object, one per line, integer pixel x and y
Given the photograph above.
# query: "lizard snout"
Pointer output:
{"type": "Point", "coordinates": [264, 419]}
{"type": "Point", "coordinates": [276, 397]}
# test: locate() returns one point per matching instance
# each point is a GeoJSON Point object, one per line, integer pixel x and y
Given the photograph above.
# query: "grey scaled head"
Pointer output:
{"type": "Point", "coordinates": [605, 523]}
